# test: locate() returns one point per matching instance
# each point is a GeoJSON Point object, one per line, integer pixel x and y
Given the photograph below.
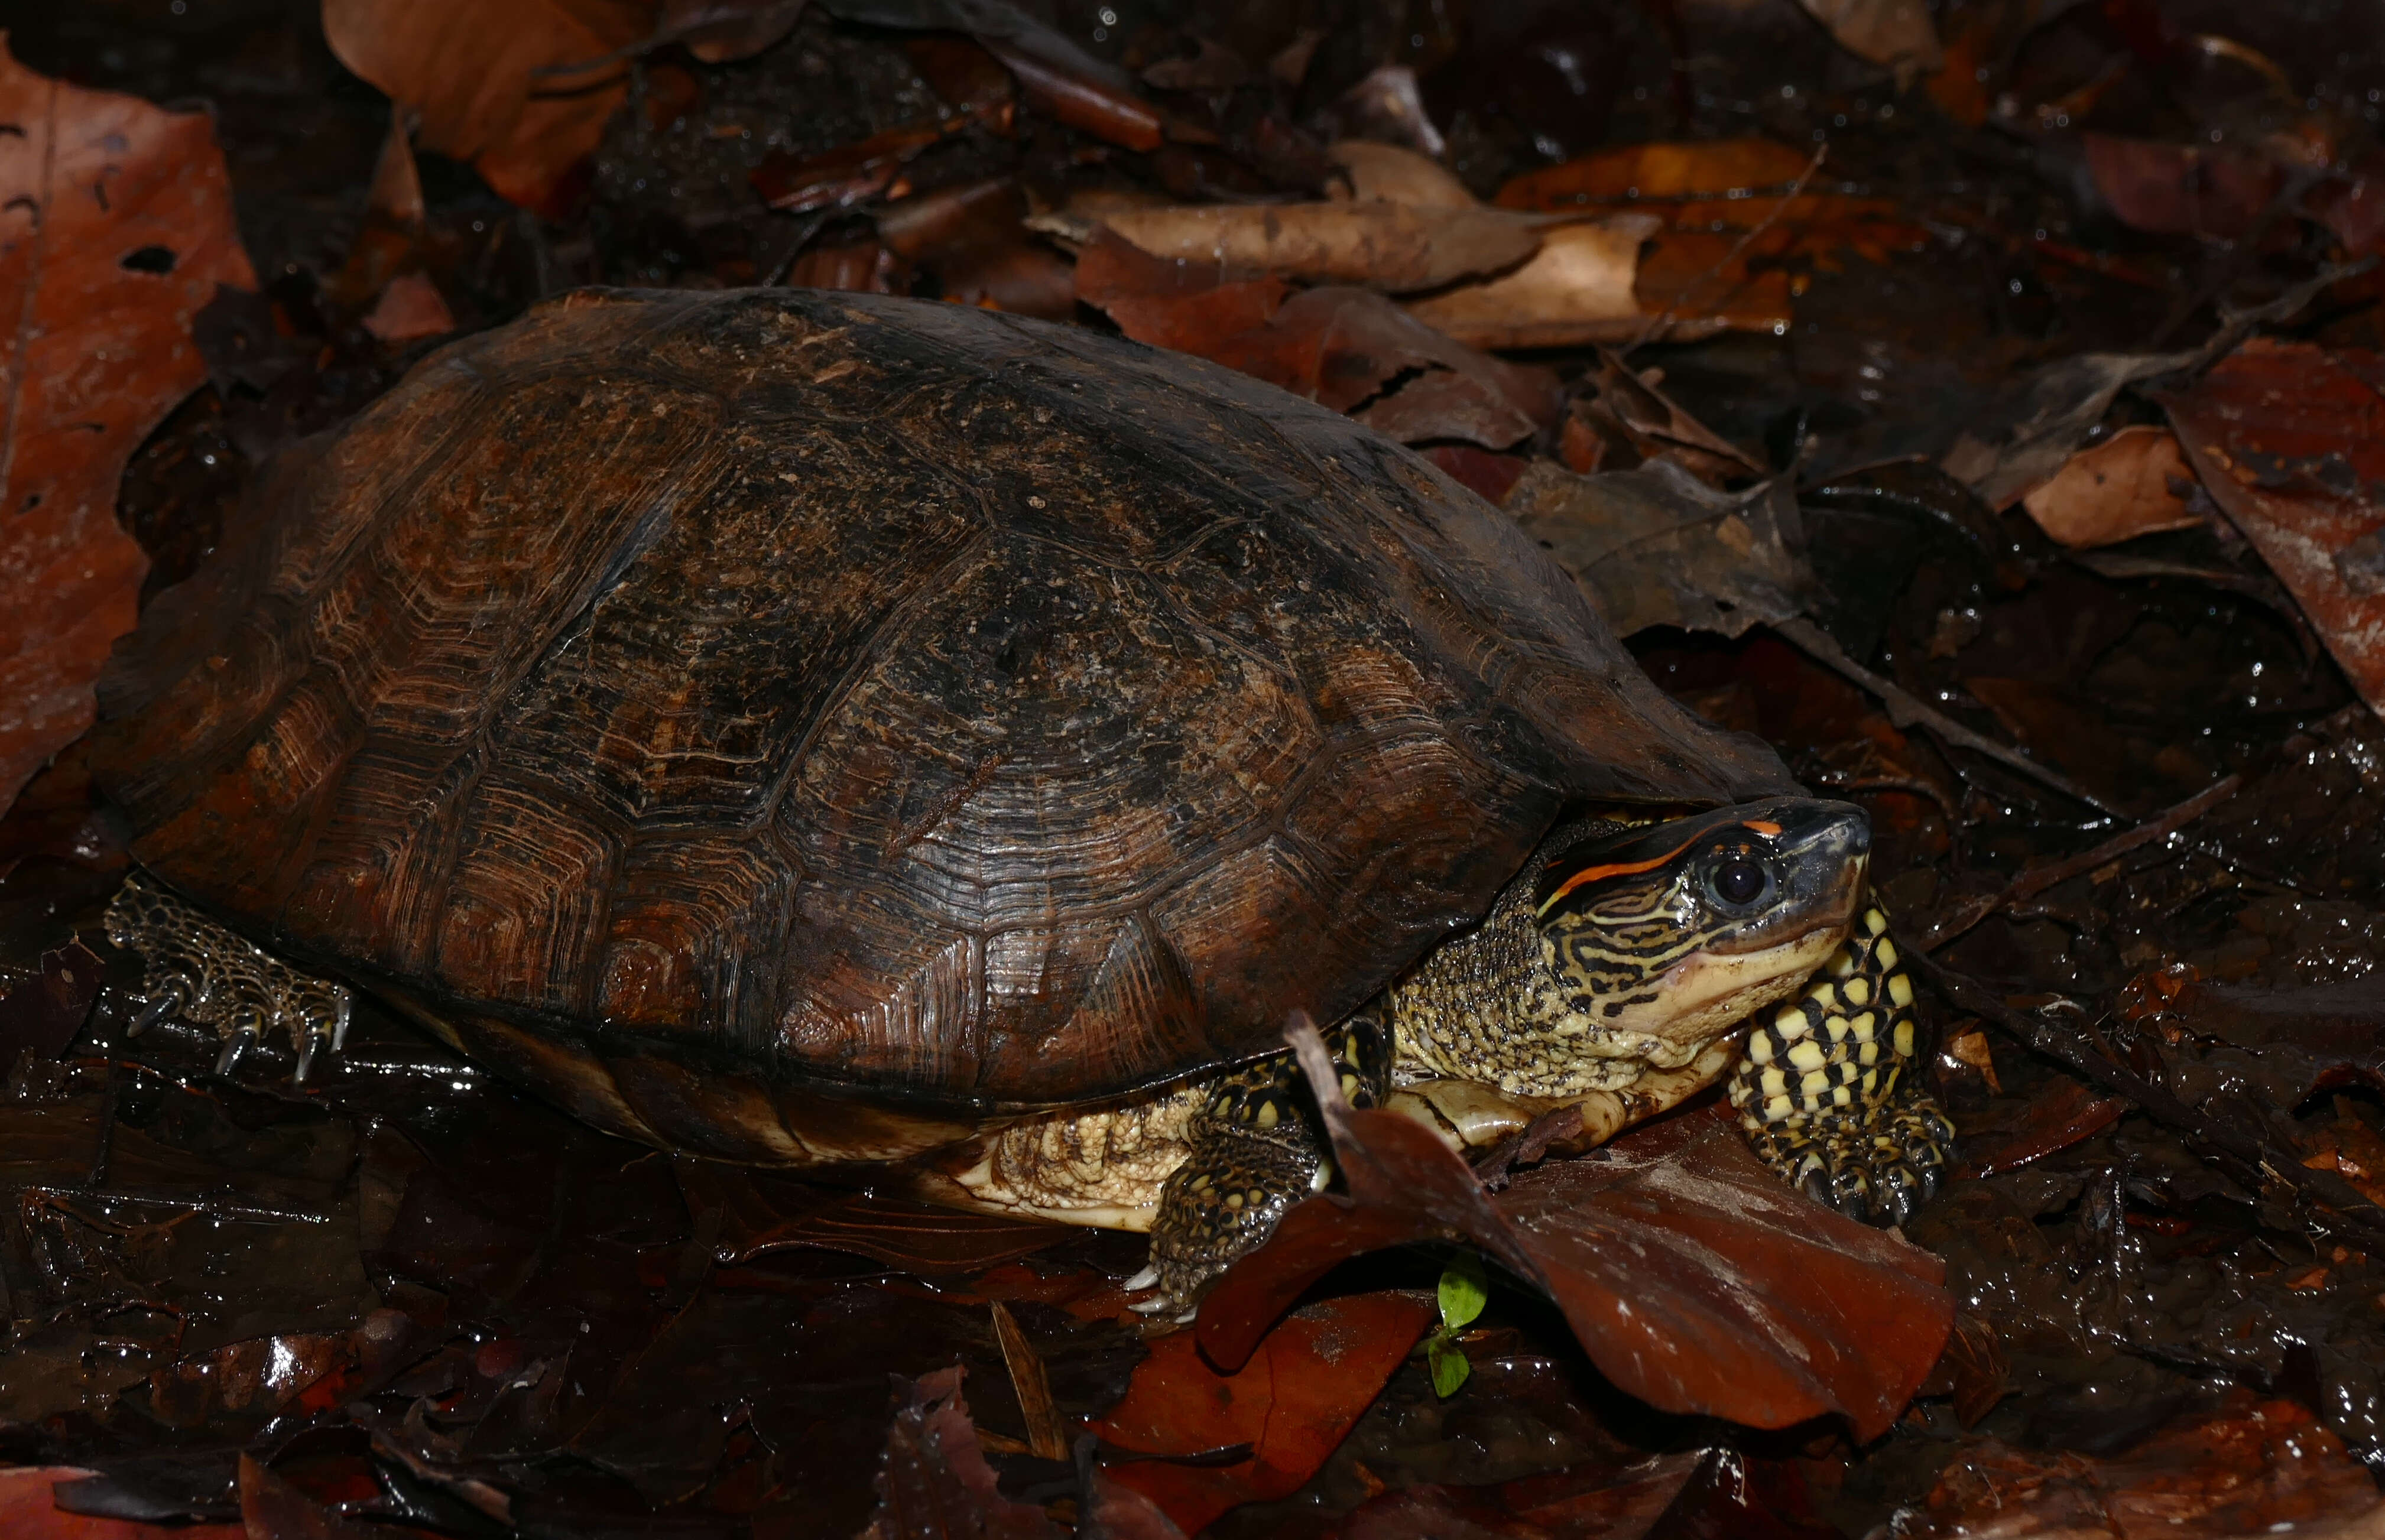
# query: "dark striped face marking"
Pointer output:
{"type": "Point", "coordinates": [1620, 910]}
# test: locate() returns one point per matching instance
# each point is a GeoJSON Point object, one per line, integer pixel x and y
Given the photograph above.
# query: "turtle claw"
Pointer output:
{"type": "Point", "coordinates": [1141, 1281]}
{"type": "Point", "coordinates": [204, 974]}
{"type": "Point", "coordinates": [240, 1042]}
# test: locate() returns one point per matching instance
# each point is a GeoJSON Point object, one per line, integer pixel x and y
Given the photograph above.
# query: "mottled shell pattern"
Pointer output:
{"type": "Point", "coordinates": [697, 699]}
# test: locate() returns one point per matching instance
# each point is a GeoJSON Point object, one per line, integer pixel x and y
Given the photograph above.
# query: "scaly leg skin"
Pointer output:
{"type": "Point", "coordinates": [1828, 1091]}
{"type": "Point", "coordinates": [1257, 1149]}
{"type": "Point", "coordinates": [196, 969]}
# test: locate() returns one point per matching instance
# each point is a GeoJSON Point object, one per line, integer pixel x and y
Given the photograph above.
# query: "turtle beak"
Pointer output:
{"type": "Point", "coordinates": [1821, 853]}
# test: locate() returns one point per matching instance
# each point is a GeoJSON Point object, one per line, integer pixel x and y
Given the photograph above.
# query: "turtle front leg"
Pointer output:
{"type": "Point", "coordinates": [1257, 1147]}
{"type": "Point", "coordinates": [196, 969]}
{"type": "Point", "coordinates": [1829, 1090]}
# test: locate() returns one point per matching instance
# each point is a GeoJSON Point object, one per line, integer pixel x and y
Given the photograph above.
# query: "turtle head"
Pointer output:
{"type": "Point", "coordinates": [1677, 930]}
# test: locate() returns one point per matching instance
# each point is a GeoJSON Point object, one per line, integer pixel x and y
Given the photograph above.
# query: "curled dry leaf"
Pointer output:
{"type": "Point", "coordinates": [1291, 1397]}
{"type": "Point", "coordinates": [1657, 547]}
{"type": "Point", "coordinates": [1396, 174]}
{"type": "Point", "coordinates": [1337, 346]}
{"type": "Point", "coordinates": [1894, 32]}
{"type": "Point", "coordinates": [2027, 439]}
{"type": "Point", "coordinates": [2252, 1467]}
{"type": "Point", "coordinates": [2134, 483]}
{"type": "Point", "coordinates": [2289, 438]}
{"type": "Point", "coordinates": [410, 310]}
{"type": "Point", "coordinates": [1370, 244]}
{"type": "Point", "coordinates": [1729, 219]}
{"type": "Point", "coordinates": [1692, 1278]}
{"type": "Point", "coordinates": [521, 90]}
{"type": "Point", "coordinates": [115, 227]}
{"type": "Point", "coordinates": [1055, 76]}
{"type": "Point", "coordinates": [1582, 286]}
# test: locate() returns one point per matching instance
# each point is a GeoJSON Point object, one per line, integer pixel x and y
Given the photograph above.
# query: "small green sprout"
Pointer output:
{"type": "Point", "coordinates": [1465, 1288]}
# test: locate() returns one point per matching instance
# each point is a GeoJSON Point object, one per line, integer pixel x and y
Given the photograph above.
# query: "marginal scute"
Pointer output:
{"type": "Point", "coordinates": [850, 693]}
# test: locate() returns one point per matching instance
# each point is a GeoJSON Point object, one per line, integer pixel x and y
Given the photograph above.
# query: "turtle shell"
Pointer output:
{"type": "Point", "coordinates": [823, 691]}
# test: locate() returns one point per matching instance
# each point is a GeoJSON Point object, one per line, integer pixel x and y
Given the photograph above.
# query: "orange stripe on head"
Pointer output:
{"type": "Point", "coordinates": [1762, 826]}
{"type": "Point", "coordinates": [1622, 869]}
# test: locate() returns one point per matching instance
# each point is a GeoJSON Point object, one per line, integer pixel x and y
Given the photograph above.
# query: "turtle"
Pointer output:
{"type": "Point", "coordinates": [932, 747]}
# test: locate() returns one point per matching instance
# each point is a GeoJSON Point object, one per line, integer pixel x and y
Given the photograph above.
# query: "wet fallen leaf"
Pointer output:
{"type": "Point", "coordinates": [2290, 441]}
{"type": "Point", "coordinates": [2254, 1466]}
{"type": "Point", "coordinates": [2058, 1117]}
{"type": "Point", "coordinates": [1291, 1397]}
{"type": "Point", "coordinates": [1576, 1505]}
{"type": "Point", "coordinates": [1369, 243]}
{"type": "Point", "coordinates": [521, 91]}
{"type": "Point", "coordinates": [1657, 547]}
{"type": "Point", "coordinates": [2134, 483]}
{"type": "Point", "coordinates": [40, 1016]}
{"type": "Point", "coordinates": [933, 1480]}
{"type": "Point", "coordinates": [115, 227]}
{"type": "Point", "coordinates": [1629, 412]}
{"type": "Point", "coordinates": [28, 1512]}
{"type": "Point", "coordinates": [2181, 189]}
{"type": "Point", "coordinates": [1689, 1275]}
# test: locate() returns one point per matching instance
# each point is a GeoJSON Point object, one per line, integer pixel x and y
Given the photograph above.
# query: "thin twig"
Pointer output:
{"type": "Point", "coordinates": [1664, 317]}
{"type": "Point", "coordinates": [1906, 711]}
{"type": "Point", "coordinates": [2036, 879]}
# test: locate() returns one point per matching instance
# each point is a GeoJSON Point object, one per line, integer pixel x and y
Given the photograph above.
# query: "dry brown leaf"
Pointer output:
{"type": "Point", "coordinates": [1894, 32]}
{"type": "Point", "coordinates": [520, 90]}
{"type": "Point", "coordinates": [2286, 436]}
{"type": "Point", "coordinates": [1396, 174]}
{"type": "Point", "coordinates": [1731, 220]}
{"type": "Point", "coordinates": [1655, 546]}
{"type": "Point", "coordinates": [1580, 287]}
{"type": "Point", "coordinates": [1370, 244]}
{"type": "Point", "coordinates": [2134, 483]}
{"type": "Point", "coordinates": [115, 227]}
{"type": "Point", "coordinates": [410, 310]}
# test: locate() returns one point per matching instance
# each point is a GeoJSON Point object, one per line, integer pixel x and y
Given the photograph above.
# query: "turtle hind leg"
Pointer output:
{"type": "Point", "coordinates": [1828, 1089]}
{"type": "Point", "coordinates": [1256, 1147]}
{"type": "Point", "coordinates": [195, 969]}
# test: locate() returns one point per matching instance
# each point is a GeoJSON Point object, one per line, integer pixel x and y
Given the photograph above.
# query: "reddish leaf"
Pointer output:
{"type": "Point", "coordinates": [2289, 440]}
{"type": "Point", "coordinates": [115, 227]}
{"type": "Point", "coordinates": [1588, 1504]}
{"type": "Point", "coordinates": [2134, 483]}
{"type": "Point", "coordinates": [521, 90]}
{"type": "Point", "coordinates": [934, 1481]}
{"type": "Point", "coordinates": [2181, 189]}
{"type": "Point", "coordinates": [27, 1512]}
{"type": "Point", "coordinates": [2254, 1466]}
{"type": "Point", "coordinates": [1292, 1402]}
{"type": "Point", "coordinates": [274, 1509]}
{"type": "Point", "coordinates": [2059, 1117]}
{"type": "Point", "coordinates": [1694, 1280]}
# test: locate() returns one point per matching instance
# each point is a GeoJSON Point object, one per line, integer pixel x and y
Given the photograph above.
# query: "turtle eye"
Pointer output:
{"type": "Point", "coordinates": [1739, 882]}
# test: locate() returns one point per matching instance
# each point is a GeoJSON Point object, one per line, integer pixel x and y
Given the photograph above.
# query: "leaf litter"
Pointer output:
{"type": "Point", "coordinates": [1988, 435]}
